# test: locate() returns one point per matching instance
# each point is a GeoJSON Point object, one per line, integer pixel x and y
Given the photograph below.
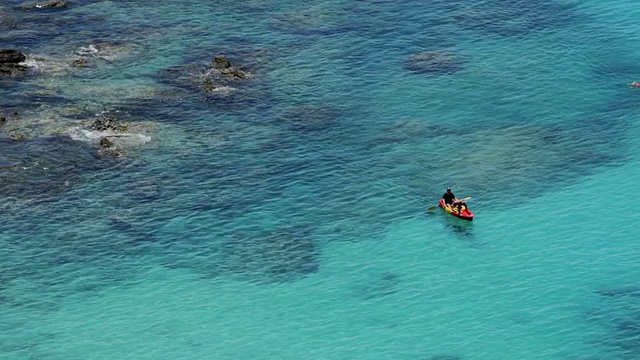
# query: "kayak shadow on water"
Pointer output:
{"type": "Point", "coordinates": [463, 229]}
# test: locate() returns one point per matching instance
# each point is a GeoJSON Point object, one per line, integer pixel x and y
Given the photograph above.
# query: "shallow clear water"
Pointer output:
{"type": "Point", "coordinates": [288, 218]}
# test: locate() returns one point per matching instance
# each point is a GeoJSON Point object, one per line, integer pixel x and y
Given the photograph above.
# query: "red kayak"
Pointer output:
{"type": "Point", "coordinates": [465, 213]}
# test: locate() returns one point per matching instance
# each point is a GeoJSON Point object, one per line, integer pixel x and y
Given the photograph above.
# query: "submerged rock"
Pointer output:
{"type": "Point", "coordinates": [108, 51]}
{"type": "Point", "coordinates": [80, 62]}
{"type": "Point", "coordinates": [436, 61]}
{"type": "Point", "coordinates": [112, 137]}
{"type": "Point", "coordinates": [222, 64]}
{"type": "Point", "coordinates": [41, 166]}
{"type": "Point", "coordinates": [16, 136]}
{"type": "Point", "coordinates": [108, 148]}
{"type": "Point", "coordinates": [514, 17]}
{"type": "Point", "coordinates": [274, 256]}
{"type": "Point", "coordinates": [312, 117]}
{"type": "Point", "coordinates": [445, 357]}
{"type": "Point", "coordinates": [219, 78]}
{"type": "Point", "coordinates": [380, 285]}
{"type": "Point", "coordinates": [11, 70]}
{"type": "Point", "coordinates": [620, 292]}
{"type": "Point", "coordinates": [310, 20]}
{"type": "Point", "coordinates": [53, 4]}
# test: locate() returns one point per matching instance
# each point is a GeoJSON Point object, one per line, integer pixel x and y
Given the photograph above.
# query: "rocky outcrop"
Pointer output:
{"type": "Point", "coordinates": [112, 137]}
{"type": "Point", "coordinates": [106, 147]}
{"type": "Point", "coordinates": [220, 78]}
{"type": "Point", "coordinates": [53, 4]}
{"type": "Point", "coordinates": [10, 66]}
{"type": "Point", "coordinates": [11, 56]}
{"type": "Point", "coordinates": [435, 61]}
{"type": "Point", "coordinates": [108, 123]}
{"type": "Point", "coordinates": [223, 64]}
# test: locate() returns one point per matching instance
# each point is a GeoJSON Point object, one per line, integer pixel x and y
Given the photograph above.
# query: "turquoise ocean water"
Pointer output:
{"type": "Point", "coordinates": [285, 216]}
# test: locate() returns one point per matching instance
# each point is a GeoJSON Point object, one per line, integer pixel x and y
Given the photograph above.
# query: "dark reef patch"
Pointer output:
{"type": "Point", "coordinates": [311, 118]}
{"type": "Point", "coordinates": [315, 20]}
{"type": "Point", "coordinates": [279, 255]}
{"type": "Point", "coordinates": [44, 166]}
{"type": "Point", "coordinates": [618, 317]}
{"type": "Point", "coordinates": [222, 82]}
{"type": "Point", "coordinates": [435, 62]}
{"type": "Point", "coordinates": [379, 286]}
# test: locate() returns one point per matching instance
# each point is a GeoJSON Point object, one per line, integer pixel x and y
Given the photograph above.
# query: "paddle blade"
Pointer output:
{"type": "Point", "coordinates": [432, 207]}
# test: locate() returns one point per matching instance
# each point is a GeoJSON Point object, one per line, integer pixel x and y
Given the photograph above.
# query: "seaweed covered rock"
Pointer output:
{"type": "Point", "coordinates": [435, 62]}
{"type": "Point", "coordinates": [108, 123]}
{"type": "Point", "coordinates": [222, 64]}
{"type": "Point", "coordinates": [107, 147]}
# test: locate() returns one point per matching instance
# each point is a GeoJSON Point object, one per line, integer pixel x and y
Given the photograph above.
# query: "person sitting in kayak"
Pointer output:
{"type": "Point", "coordinates": [450, 199]}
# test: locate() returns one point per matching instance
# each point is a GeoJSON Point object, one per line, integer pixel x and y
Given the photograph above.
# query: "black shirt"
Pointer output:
{"type": "Point", "coordinates": [448, 198]}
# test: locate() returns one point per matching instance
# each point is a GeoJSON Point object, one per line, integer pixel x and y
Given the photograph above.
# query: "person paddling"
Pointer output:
{"type": "Point", "coordinates": [635, 83]}
{"type": "Point", "coordinates": [450, 199]}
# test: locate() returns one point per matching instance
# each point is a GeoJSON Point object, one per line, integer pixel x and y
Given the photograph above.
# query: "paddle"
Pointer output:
{"type": "Point", "coordinates": [435, 206]}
